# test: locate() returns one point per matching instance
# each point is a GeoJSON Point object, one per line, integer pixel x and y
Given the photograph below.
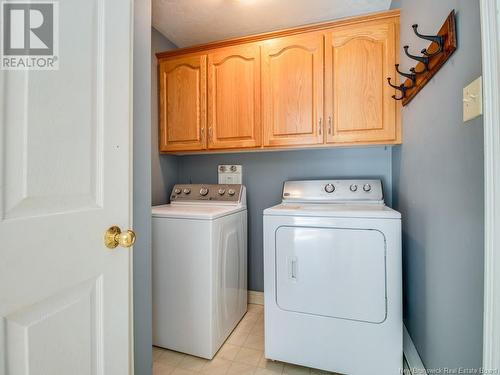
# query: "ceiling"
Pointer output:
{"type": "Point", "coordinates": [190, 22]}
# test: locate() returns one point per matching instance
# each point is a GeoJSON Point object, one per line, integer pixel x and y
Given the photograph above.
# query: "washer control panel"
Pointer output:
{"type": "Point", "coordinates": [207, 192]}
{"type": "Point", "coordinates": [333, 191]}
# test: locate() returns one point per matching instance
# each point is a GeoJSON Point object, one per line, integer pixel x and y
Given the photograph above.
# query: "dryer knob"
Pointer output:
{"type": "Point", "coordinates": [367, 188]}
{"type": "Point", "coordinates": [353, 187]}
{"type": "Point", "coordinates": [203, 191]}
{"type": "Point", "coordinates": [222, 191]}
{"type": "Point", "coordinates": [329, 188]}
{"type": "Point", "coordinates": [177, 191]}
{"type": "Point", "coordinates": [231, 192]}
{"type": "Point", "coordinates": [187, 191]}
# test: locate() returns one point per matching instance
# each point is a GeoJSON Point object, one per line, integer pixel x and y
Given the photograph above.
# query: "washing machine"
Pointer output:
{"type": "Point", "coordinates": [199, 267]}
{"type": "Point", "coordinates": [332, 278]}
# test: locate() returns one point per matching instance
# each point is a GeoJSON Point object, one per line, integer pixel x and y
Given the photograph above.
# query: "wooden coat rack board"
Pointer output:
{"type": "Point", "coordinates": [432, 59]}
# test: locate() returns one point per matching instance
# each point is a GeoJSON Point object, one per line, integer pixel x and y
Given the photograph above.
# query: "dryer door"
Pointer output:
{"type": "Point", "coordinates": [333, 272]}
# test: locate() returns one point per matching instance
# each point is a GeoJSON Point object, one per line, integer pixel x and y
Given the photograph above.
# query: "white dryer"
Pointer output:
{"type": "Point", "coordinates": [332, 278]}
{"type": "Point", "coordinates": [199, 267]}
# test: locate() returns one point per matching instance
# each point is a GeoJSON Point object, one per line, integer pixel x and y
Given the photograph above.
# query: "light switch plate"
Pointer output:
{"type": "Point", "coordinates": [230, 174]}
{"type": "Point", "coordinates": [473, 99]}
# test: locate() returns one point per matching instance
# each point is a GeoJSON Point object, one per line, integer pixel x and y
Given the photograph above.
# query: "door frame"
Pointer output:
{"type": "Point", "coordinates": [490, 30]}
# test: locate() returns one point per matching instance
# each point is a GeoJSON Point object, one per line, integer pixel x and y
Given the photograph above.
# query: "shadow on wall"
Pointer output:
{"type": "Point", "coordinates": [163, 168]}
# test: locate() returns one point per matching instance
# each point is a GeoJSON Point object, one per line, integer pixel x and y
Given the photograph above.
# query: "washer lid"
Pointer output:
{"type": "Point", "coordinates": [350, 210]}
{"type": "Point", "coordinates": [197, 212]}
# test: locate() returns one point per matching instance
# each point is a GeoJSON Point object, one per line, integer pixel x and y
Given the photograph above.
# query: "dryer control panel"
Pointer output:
{"type": "Point", "coordinates": [333, 191]}
{"type": "Point", "coordinates": [216, 193]}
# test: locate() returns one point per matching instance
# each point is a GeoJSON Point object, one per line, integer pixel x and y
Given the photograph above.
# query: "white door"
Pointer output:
{"type": "Point", "coordinates": [65, 172]}
{"type": "Point", "coordinates": [332, 272]}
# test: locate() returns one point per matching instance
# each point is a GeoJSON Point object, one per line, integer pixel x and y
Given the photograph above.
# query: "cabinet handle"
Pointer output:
{"type": "Point", "coordinates": [210, 133]}
{"type": "Point", "coordinates": [320, 125]}
{"type": "Point", "coordinates": [202, 133]}
{"type": "Point", "coordinates": [329, 124]}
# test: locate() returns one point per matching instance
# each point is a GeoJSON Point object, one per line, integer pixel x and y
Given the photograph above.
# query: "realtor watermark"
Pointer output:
{"type": "Point", "coordinates": [29, 35]}
{"type": "Point", "coordinates": [446, 370]}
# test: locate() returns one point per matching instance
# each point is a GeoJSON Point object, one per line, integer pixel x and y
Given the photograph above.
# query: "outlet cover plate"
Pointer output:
{"type": "Point", "coordinates": [473, 100]}
{"type": "Point", "coordinates": [230, 174]}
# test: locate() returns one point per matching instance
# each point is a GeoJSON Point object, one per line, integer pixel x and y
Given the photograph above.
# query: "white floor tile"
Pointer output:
{"type": "Point", "coordinates": [254, 342]}
{"type": "Point", "coordinates": [217, 366]}
{"type": "Point", "coordinates": [241, 369]}
{"type": "Point", "coordinates": [228, 351]}
{"type": "Point", "coordinates": [249, 356]}
{"type": "Point", "coordinates": [192, 363]}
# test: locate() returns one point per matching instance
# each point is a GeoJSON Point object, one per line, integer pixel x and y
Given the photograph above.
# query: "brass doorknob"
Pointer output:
{"type": "Point", "coordinates": [115, 237]}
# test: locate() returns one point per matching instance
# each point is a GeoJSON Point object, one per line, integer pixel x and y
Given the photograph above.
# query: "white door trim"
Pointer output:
{"type": "Point", "coordinates": [490, 30]}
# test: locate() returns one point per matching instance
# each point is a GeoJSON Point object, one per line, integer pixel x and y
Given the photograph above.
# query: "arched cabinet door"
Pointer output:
{"type": "Point", "coordinates": [292, 90]}
{"type": "Point", "coordinates": [183, 102]}
{"type": "Point", "coordinates": [358, 100]}
{"type": "Point", "coordinates": [234, 118]}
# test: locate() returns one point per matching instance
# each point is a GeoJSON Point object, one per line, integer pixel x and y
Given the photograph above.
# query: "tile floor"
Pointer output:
{"type": "Point", "coordinates": [242, 353]}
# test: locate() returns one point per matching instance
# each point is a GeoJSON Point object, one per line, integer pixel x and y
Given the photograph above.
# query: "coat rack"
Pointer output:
{"type": "Point", "coordinates": [428, 64]}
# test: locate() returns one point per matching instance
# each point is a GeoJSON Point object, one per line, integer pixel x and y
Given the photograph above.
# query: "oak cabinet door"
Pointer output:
{"type": "Point", "coordinates": [182, 85]}
{"type": "Point", "coordinates": [234, 118]}
{"type": "Point", "coordinates": [358, 100]}
{"type": "Point", "coordinates": [292, 90]}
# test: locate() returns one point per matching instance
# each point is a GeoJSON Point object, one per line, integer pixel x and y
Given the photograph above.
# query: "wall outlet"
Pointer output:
{"type": "Point", "coordinates": [230, 174]}
{"type": "Point", "coordinates": [473, 99]}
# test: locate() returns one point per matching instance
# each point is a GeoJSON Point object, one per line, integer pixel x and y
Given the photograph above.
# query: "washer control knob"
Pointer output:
{"type": "Point", "coordinates": [187, 191]}
{"type": "Point", "coordinates": [233, 168]}
{"type": "Point", "coordinates": [222, 191]}
{"type": "Point", "coordinates": [203, 191]}
{"type": "Point", "coordinates": [329, 188]}
{"type": "Point", "coordinates": [353, 187]}
{"type": "Point", "coordinates": [367, 187]}
{"type": "Point", "coordinates": [177, 191]}
{"type": "Point", "coordinates": [231, 192]}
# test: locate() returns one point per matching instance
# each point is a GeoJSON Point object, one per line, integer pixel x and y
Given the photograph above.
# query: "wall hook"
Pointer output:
{"type": "Point", "coordinates": [417, 73]}
{"type": "Point", "coordinates": [402, 88]}
{"type": "Point", "coordinates": [438, 39]}
{"type": "Point", "coordinates": [423, 59]}
{"type": "Point", "coordinates": [411, 76]}
{"type": "Point", "coordinates": [424, 51]}
{"type": "Point", "coordinates": [439, 49]}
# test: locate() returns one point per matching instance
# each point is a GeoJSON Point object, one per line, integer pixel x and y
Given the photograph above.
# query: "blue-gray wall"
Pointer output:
{"type": "Point", "coordinates": [438, 187]}
{"type": "Point", "coordinates": [264, 173]}
{"type": "Point", "coordinates": [142, 187]}
{"type": "Point", "coordinates": [164, 167]}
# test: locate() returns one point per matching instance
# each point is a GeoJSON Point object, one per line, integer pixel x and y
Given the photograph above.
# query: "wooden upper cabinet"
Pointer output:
{"type": "Point", "coordinates": [292, 90]}
{"type": "Point", "coordinates": [183, 102]}
{"type": "Point", "coordinates": [322, 84]}
{"type": "Point", "coordinates": [358, 101]}
{"type": "Point", "coordinates": [234, 118]}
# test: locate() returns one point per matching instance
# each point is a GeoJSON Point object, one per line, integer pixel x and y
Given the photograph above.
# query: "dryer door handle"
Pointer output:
{"type": "Point", "coordinates": [292, 268]}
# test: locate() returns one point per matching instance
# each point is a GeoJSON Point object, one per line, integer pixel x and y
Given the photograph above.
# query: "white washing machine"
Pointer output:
{"type": "Point", "coordinates": [332, 278]}
{"type": "Point", "coordinates": [199, 267]}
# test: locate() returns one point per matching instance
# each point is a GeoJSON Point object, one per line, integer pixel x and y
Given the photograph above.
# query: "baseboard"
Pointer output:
{"type": "Point", "coordinates": [412, 357]}
{"type": "Point", "coordinates": [255, 297]}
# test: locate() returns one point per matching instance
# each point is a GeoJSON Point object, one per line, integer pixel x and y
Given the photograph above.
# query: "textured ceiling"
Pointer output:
{"type": "Point", "coordinates": [190, 22]}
